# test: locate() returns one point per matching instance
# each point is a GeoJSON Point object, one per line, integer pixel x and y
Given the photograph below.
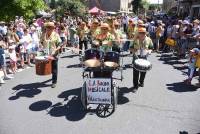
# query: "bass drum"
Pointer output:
{"type": "Point", "coordinates": [43, 66]}
{"type": "Point", "coordinates": [142, 65]}
{"type": "Point", "coordinates": [111, 60]}
{"type": "Point", "coordinates": [93, 58]}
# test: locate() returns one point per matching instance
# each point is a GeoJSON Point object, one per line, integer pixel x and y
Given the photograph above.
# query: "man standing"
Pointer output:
{"type": "Point", "coordinates": [141, 48]}
{"type": "Point", "coordinates": [51, 43]}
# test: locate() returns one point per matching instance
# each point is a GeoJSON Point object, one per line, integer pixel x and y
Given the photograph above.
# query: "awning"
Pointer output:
{"type": "Point", "coordinates": [96, 10]}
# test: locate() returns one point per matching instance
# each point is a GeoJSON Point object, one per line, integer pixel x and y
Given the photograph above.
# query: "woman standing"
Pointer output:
{"type": "Point", "coordinates": [51, 43]}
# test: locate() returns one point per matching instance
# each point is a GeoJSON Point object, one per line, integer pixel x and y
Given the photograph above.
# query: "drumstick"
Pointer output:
{"type": "Point", "coordinates": [71, 48]}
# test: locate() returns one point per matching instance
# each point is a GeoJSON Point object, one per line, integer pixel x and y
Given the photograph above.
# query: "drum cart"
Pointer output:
{"type": "Point", "coordinates": [103, 109]}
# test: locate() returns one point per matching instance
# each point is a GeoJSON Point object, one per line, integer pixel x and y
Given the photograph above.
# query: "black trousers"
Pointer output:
{"type": "Point", "coordinates": [54, 71]}
{"type": "Point", "coordinates": [138, 77]}
{"type": "Point", "coordinates": [81, 43]}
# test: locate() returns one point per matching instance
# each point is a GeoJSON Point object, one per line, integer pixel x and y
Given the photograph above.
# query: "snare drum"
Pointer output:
{"type": "Point", "coordinates": [111, 59]}
{"type": "Point", "coordinates": [43, 65]}
{"type": "Point", "coordinates": [93, 58]}
{"type": "Point", "coordinates": [142, 65]}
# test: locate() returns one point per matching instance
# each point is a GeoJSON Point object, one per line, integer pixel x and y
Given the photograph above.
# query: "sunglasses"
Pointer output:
{"type": "Point", "coordinates": [104, 29]}
{"type": "Point", "coordinates": [50, 27]}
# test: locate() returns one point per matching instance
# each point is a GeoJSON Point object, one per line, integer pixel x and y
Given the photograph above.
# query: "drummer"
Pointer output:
{"type": "Point", "coordinates": [131, 31]}
{"type": "Point", "coordinates": [119, 36]}
{"type": "Point", "coordinates": [51, 44]}
{"type": "Point", "coordinates": [82, 32]}
{"type": "Point", "coordinates": [105, 37]}
{"type": "Point", "coordinates": [94, 30]}
{"type": "Point", "coordinates": [141, 48]}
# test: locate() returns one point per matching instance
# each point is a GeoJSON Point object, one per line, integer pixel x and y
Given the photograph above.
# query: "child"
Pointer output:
{"type": "Point", "coordinates": [192, 64]}
{"type": "Point", "coordinates": [13, 57]}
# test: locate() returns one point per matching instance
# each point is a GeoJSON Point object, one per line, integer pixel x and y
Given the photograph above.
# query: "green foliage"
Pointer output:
{"type": "Point", "coordinates": [27, 8]}
{"type": "Point", "coordinates": [73, 7]}
{"type": "Point", "coordinates": [139, 4]}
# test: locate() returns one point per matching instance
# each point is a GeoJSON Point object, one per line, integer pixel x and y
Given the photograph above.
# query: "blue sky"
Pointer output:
{"type": "Point", "coordinates": [155, 1]}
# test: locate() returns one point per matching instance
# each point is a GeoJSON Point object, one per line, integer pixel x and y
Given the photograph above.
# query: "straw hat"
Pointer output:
{"type": "Point", "coordinates": [49, 24]}
{"type": "Point", "coordinates": [95, 21]}
{"type": "Point", "coordinates": [142, 30]}
{"type": "Point", "coordinates": [140, 22]}
{"type": "Point", "coordinates": [196, 21]}
{"type": "Point", "coordinates": [83, 23]}
{"type": "Point", "coordinates": [116, 23]}
{"type": "Point", "coordinates": [105, 25]}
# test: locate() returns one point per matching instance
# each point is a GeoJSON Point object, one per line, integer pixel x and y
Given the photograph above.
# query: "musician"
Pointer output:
{"type": "Point", "coordinates": [51, 44]}
{"type": "Point", "coordinates": [95, 30]}
{"type": "Point", "coordinates": [105, 36]}
{"type": "Point", "coordinates": [119, 36]}
{"type": "Point", "coordinates": [82, 33]}
{"type": "Point", "coordinates": [131, 31]}
{"type": "Point", "coordinates": [141, 47]}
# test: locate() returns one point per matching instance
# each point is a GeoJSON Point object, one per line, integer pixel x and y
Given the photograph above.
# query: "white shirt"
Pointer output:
{"type": "Point", "coordinates": [27, 41]}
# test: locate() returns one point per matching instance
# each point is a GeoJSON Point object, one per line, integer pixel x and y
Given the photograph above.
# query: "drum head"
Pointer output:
{"type": "Point", "coordinates": [111, 64]}
{"type": "Point", "coordinates": [92, 63]}
{"type": "Point", "coordinates": [40, 58]}
{"type": "Point", "coordinates": [111, 59]}
{"type": "Point", "coordinates": [142, 62]}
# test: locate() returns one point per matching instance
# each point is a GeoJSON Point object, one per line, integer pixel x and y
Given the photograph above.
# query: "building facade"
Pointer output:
{"type": "Point", "coordinates": [169, 4]}
{"type": "Point", "coordinates": [189, 8]}
{"type": "Point", "coordinates": [111, 5]}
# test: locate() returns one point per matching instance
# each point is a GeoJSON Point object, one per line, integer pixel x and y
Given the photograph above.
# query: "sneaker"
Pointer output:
{"type": "Point", "coordinates": [2, 81]}
{"type": "Point", "coordinates": [8, 77]}
{"type": "Point", "coordinates": [53, 85]}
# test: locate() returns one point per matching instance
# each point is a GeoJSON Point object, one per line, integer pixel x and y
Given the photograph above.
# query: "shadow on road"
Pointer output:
{"type": "Point", "coordinates": [181, 87]}
{"type": "Point", "coordinates": [170, 59]}
{"type": "Point", "coordinates": [28, 90]}
{"type": "Point", "coordinates": [70, 56]}
{"type": "Point", "coordinates": [183, 132]}
{"type": "Point", "coordinates": [71, 108]}
{"type": "Point", "coordinates": [121, 95]}
{"type": "Point", "coordinates": [74, 66]}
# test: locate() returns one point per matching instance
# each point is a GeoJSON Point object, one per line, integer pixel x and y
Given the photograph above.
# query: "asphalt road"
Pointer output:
{"type": "Point", "coordinates": [164, 106]}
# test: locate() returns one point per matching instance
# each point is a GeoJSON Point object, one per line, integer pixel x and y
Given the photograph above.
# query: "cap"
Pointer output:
{"type": "Point", "coordinates": [195, 50]}
{"type": "Point", "coordinates": [185, 22]}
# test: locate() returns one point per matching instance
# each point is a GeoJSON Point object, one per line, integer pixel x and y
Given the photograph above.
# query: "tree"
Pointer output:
{"type": "Point", "coordinates": [27, 8]}
{"type": "Point", "coordinates": [136, 5]}
{"type": "Point", "coordinates": [139, 4]}
{"type": "Point", "coordinates": [73, 7]}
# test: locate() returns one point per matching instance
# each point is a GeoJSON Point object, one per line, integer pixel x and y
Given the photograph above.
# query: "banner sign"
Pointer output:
{"type": "Point", "coordinates": [98, 91]}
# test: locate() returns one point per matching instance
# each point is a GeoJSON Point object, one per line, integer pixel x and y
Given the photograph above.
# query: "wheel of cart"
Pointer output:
{"type": "Point", "coordinates": [105, 110]}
